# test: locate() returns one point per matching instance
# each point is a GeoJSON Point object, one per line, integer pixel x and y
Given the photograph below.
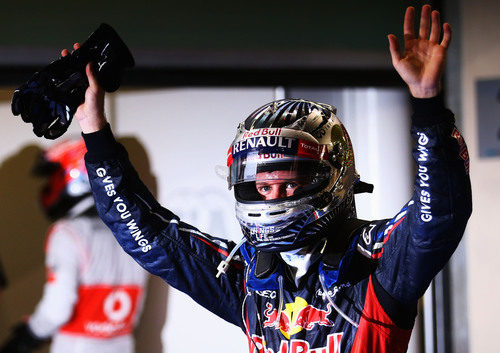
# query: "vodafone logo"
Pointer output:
{"type": "Point", "coordinates": [104, 311]}
{"type": "Point", "coordinates": [117, 305]}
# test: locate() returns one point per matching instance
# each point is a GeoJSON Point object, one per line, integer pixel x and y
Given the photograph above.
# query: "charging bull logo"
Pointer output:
{"type": "Point", "coordinates": [296, 317]}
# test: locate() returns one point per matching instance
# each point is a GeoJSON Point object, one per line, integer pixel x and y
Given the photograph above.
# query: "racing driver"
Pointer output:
{"type": "Point", "coordinates": [93, 295]}
{"type": "Point", "coordinates": [308, 276]}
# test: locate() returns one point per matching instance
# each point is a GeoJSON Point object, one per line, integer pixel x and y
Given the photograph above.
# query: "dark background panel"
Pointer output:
{"type": "Point", "coordinates": [165, 33]}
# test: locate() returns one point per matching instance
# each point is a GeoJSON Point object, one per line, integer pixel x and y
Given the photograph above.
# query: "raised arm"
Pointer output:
{"type": "Point", "coordinates": [414, 246]}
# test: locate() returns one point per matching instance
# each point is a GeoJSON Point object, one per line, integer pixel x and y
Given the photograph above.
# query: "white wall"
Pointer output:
{"type": "Point", "coordinates": [481, 59]}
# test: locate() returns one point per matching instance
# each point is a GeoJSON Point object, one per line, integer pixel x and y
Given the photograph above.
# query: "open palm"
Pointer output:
{"type": "Point", "coordinates": [421, 65]}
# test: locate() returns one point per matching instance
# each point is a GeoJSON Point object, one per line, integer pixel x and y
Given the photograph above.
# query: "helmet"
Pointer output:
{"type": "Point", "coordinates": [67, 191]}
{"type": "Point", "coordinates": [302, 148]}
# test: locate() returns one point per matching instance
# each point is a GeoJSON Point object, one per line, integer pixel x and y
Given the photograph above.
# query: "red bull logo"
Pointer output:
{"type": "Point", "coordinates": [296, 317]}
{"type": "Point", "coordinates": [298, 346]}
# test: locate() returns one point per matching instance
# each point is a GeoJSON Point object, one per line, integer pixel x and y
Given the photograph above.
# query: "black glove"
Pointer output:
{"type": "Point", "coordinates": [22, 340]}
{"type": "Point", "coordinates": [50, 98]}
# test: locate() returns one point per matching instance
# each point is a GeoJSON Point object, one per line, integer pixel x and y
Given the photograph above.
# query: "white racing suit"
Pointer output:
{"type": "Point", "coordinates": [93, 294]}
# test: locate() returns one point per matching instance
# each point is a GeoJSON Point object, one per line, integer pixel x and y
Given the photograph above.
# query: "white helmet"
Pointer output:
{"type": "Point", "coordinates": [303, 147]}
{"type": "Point", "coordinates": [67, 189]}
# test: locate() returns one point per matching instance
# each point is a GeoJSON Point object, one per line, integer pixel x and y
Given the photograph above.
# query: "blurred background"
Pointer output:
{"type": "Point", "coordinates": [201, 67]}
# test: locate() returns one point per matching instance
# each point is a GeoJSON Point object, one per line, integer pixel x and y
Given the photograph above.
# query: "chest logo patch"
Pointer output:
{"type": "Point", "coordinates": [296, 317]}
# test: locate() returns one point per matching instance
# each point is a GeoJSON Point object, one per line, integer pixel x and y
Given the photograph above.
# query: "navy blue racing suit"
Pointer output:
{"type": "Point", "coordinates": [362, 299]}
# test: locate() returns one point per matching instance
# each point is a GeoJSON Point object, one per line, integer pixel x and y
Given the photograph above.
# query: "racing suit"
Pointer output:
{"type": "Point", "coordinates": [93, 294]}
{"type": "Point", "coordinates": [362, 299]}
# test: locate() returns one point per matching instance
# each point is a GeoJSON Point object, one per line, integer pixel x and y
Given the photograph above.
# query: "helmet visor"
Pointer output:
{"type": "Point", "coordinates": [268, 176]}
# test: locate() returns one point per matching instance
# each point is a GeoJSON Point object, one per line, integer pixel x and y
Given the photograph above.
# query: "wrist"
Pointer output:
{"type": "Point", "coordinates": [92, 125]}
{"type": "Point", "coordinates": [425, 92]}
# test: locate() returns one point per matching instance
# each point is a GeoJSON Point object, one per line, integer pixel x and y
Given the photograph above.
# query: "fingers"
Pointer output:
{"type": "Point", "coordinates": [435, 28]}
{"type": "Point", "coordinates": [94, 85]}
{"type": "Point", "coordinates": [88, 70]}
{"type": "Point", "coordinates": [424, 22]}
{"type": "Point", "coordinates": [430, 26]}
{"type": "Point", "coordinates": [394, 48]}
{"type": "Point", "coordinates": [409, 21]}
{"type": "Point", "coordinates": [446, 36]}
{"type": "Point", "coordinates": [65, 52]}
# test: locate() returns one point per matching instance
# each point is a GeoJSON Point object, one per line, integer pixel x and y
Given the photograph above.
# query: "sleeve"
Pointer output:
{"type": "Point", "coordinates": [184, 257]}
{"type": "Point", "coordinates": [63, 264]}
{"type": "Point", "coordinates": [414, 246]}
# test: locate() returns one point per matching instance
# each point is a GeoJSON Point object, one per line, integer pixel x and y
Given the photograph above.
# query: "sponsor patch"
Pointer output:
{"type": "Point", "coordinates": [296, 317]}
{"type": "Point", "coordinates": [464, 154]}
{"type": "Point", "coordinates": [268, 147]}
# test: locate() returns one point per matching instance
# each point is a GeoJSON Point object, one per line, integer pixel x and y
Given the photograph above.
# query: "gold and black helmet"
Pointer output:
{"type": "Point", "coordinates": [302, 146]}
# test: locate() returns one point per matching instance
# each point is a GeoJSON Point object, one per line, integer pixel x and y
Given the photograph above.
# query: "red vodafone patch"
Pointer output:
{"type": "Point", "coordinates": [104, 311]}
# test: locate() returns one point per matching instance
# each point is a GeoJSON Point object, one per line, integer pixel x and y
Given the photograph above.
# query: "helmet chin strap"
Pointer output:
{"type": "Point", "coordinates": [81, 206]}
